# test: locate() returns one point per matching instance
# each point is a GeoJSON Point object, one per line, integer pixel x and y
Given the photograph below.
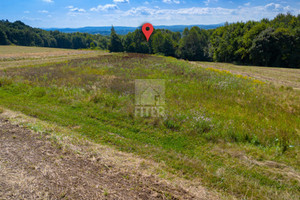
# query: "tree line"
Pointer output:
{"type": "Point", "coordinates": [18, 33]}
{"type": "Point", "coordinates": [266, 42]}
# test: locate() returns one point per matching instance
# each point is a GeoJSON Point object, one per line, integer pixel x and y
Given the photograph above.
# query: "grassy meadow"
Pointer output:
{"type": "Point", "coordinates": [237, 135]}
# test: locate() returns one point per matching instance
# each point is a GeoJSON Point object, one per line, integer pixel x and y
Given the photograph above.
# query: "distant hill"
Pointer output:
{"type": "Point", "coordinates": [123, 30]}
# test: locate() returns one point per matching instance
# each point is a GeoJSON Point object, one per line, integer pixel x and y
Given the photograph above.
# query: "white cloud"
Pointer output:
{"type": "Point", "coordinates": [48, 1]}
{"type": "Point", "coordinates": [140, 11]}
{"type": "Point", "coordinates": [171, 1]}
{"type": "Point", "coordinates": [207, 2]}
{"type": "Point", "coordinates": [74, 11]}
{"type": "Point", "coordinates": [43, 11]}
{"type": "Point", "coordinates": [31, 19]}
{"type": "Point", "coordinates": [105, 7]}
{"type": "Point", "coordinates": [275, 7]}
{"type": "Point", "coordinates": [204, 11]}
{"type": "Point", "coordinates": [121, 1]}
{"type": "Point", "coordinates": [204, 15]}
{"type": "Point", "coordinates": [183, 11]}
{"type": "Point", "coordinates": [169, 15]}
{"type": "Point", "coordinates": [247, 4]}
{"type": "Point", "coordinates": [26, 12]}
{"type": "Point", "coordinates": [78, 10]}
{"type": "Point", "coordinates": [269, 8]}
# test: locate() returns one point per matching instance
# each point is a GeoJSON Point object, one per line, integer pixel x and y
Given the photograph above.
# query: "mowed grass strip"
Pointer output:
{"type": "Point", "coordinates": [20, 56]}
{"type": "Point", "coordinates": [282, 77]}
{"type": "Point", "coordinates": [238, 135]}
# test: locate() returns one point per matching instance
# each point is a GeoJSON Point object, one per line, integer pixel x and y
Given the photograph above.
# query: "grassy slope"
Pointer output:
{"type": "Point", "coordinates": [279, 76]}
{"type": "Point", "coordinates": [238, 135]}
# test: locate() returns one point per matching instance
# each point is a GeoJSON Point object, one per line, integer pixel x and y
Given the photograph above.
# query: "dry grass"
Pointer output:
{"type": "Point", "coordinates": [16, 56]}
{"type": "Point", "coordinates": [278, 76]}
{"type": "Point", "coordinates": [10, 50]}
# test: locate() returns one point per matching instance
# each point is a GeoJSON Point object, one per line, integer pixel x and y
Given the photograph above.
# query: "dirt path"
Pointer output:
{"type": "Point", "coordinates": [33, 167]}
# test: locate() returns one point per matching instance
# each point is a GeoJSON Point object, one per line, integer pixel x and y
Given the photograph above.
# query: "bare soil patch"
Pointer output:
{"type": "Point", "coordinates": [35, 167]}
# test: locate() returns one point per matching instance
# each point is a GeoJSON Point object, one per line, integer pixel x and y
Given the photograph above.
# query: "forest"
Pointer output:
{"type": "Point", "coordinates": [266, 42]}
{"type": "Point", "coordinates": [18, 33]}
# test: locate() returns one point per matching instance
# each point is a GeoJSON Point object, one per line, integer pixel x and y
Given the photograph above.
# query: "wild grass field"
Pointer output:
{"type": "Point", "coordinates": [235, 134]}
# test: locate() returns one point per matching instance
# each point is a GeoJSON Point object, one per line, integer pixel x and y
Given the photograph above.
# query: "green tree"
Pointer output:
{"type": "Point", "coordinates": [136, 42]}
{"type": "Point", "coordinates": [92, 45]}
{"type": "Point", "coordinates": [243, 51]}
{"type": "Point", "coordinates": [156, 42]}
{"type": "Point", "coordinates": [3, 38]}
{"type": "Point", "coordinates": [162, 43]}
{"type": "Point", "coordinates": [78, 42]}
{"type": "Point", "coordinates": [194, 44]}
{"type": "Point", "coordinates": [115, 44]}
{"type": "Point", "coordinates": [63, 41]}
{"type": "Point", "coordinates": [263, 50]}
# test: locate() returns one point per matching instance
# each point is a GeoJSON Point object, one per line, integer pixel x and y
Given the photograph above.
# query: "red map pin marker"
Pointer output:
{"type": "Point", "coordinates": [147, 30]}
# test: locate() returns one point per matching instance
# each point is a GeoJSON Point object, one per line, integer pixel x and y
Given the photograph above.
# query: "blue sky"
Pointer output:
{"type": "Point", "coordinates": [79, 13]}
